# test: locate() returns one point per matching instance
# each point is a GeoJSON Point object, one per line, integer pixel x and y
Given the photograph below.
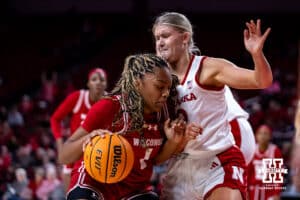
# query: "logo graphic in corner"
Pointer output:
{"type": "Point", "coordinates": [272, 170]}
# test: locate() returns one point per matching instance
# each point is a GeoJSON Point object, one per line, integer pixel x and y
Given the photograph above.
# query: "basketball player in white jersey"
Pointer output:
{"type": "Point", "coordinates": [211, 166]}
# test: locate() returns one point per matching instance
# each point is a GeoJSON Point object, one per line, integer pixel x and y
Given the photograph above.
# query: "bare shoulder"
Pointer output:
{"type": "Point", "coordinates": [213, 70]}
{"type": "Point", "coordinates": [215, 62]}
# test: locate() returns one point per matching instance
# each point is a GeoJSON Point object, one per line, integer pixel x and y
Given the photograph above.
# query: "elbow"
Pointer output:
{"type": "Point", "coordinates": [266, 82]}
{"type": "Point", "coordinates": [62, 159]}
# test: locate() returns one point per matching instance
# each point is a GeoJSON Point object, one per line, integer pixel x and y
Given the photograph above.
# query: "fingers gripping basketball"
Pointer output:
{"type": "Point", "coordinates": [109, 159]}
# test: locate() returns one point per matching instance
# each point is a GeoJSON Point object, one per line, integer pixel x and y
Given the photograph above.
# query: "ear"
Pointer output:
{"type": "Point", "coordinates": [137, 84]}
{"type": "Point", "coordinates": [186, 37]}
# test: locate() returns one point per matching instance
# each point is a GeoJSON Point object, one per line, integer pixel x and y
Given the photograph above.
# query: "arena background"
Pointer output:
{"type": "Point", "coordinates": [62, 39]}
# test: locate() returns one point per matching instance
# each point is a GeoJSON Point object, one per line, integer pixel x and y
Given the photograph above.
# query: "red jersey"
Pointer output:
{"type": "Point", "coordinates": [106, 114]}
{"type": "Point", "coordinates": [76, 105]}
{"type": "Point", "coordinates": [257, 189]}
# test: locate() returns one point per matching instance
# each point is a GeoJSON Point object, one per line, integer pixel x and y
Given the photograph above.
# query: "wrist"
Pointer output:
{"type": "Point", "coordinates": [257, 54]}
{"type": "Point", "coordinates": [171, 144]}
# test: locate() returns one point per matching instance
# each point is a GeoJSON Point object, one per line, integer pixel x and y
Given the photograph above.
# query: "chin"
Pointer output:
{"type": "Point", "coordinates": [164, 56]}
{"type": "Point", "coordinates": [158, 109]}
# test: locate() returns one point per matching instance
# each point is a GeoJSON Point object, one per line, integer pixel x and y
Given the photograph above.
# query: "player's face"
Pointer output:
{"type": "Point", "coordinates": [155, 89]}
{"type": "Point", "coordinates": [169, 42]}
{"type": "Point", "coordinates": [263, 136]}
{"type": "Point", "coordinates": [97, 84]}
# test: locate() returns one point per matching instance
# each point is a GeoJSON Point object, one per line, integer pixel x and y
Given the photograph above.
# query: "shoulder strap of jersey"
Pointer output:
{"type": "Point", "coordinates": [79, 101]}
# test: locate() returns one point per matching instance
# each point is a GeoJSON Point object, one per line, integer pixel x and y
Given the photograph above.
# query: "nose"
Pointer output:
{"type": "Point", "coordinates": [160, 43]}
{"type": "Point", "coordinates": [166, 93]}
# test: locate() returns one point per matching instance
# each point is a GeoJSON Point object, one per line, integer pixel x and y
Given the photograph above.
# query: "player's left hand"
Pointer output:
{"type": "Point", "coordinates": [98, 132]}
{"type": "Point", "coordinates": [253, 38]}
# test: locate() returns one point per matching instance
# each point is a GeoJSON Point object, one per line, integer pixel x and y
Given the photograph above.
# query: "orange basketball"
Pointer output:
{"type": "Point", "coordinates": [109, 159]}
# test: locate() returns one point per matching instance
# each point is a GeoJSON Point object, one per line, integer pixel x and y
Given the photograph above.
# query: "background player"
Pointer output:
{"type": "Point", "coordinates": [76, 106]}
{"type": "Point", "coordinates": [264, 149]}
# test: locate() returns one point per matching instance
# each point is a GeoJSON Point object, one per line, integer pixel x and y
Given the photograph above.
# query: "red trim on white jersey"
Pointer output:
{"type": "Point", "coordinates": [188, 70]}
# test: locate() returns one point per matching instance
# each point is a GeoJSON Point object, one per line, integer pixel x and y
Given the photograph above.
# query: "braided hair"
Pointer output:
{"type": "Point", "coordinates": [135, 67]}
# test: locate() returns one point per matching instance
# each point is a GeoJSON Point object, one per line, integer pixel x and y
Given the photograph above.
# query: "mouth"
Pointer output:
{"type": "Point", "coordinates": [163, 50]}
{"type": "Point", "coordinates": [160, 103]}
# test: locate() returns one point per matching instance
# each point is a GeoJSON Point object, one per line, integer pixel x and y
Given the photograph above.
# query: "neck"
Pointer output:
{"type": "Point", "coordinates": [180, 67]}
{"type": "Point", "coordinates": [94, 97]}
{"type": "Point", "coordinates": [263, 147]}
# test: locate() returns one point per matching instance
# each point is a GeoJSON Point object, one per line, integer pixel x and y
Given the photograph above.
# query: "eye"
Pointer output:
{"type": "Point", "coordinates": [159, 87]}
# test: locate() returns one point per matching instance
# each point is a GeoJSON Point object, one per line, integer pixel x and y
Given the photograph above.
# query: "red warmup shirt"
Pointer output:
{"type": "Point", "coordinates": [257, 189]}
{"type": "Point", "coordinates": [76, 105]}
{"type": "Point", "coordinates": [105, 115]}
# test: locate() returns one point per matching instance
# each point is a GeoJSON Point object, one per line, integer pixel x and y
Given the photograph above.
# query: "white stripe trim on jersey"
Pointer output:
{"type": "Point", "coordinates": [87, 99]}
{"type": "Point", "coordinates": [79, 102]}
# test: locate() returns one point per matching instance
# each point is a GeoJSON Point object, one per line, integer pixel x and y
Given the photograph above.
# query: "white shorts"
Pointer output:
{"type": "Point", "coordinates": [194, 178]}
{"type": "Point", "coordinates": [244, 137]}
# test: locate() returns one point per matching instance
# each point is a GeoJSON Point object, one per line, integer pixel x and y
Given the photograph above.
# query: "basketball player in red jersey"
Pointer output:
{"type": "Point", "coordinates": [133, 110]}
{"type": "Point", "coordinates": [258, 190]}
{"type": "Point", "coordinates": [76, 106]}
{"type": "Point", "coordinates": [212, 166]}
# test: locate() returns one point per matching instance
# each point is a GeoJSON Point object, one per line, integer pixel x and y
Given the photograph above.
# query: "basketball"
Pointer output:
{"type": "Point", "coordinates": [109, 159]}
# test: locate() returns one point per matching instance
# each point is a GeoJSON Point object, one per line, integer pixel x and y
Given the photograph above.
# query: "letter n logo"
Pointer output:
{"type": "Point", "coordinates": [237, 173]}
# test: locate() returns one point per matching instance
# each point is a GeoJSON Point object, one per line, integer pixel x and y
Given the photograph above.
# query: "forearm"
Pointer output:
{"type": "Point", "coordinates": [166, 152]}
{"type": "Point", "coordinates": [59, 145]}
{"type": "Point", "coordinates": [71, 150]}
{"type": "Point", "coordinates": [263, 72]}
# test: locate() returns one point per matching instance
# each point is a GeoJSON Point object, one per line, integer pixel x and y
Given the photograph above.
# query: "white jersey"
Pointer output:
{"type": "Point", "coordinates": [207, 108]}
{"type": "Point", "coordinates": [234, 109]}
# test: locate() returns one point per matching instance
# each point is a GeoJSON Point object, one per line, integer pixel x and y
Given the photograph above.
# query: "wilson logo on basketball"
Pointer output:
{"type": "Point", "coordinates": [116, 160]}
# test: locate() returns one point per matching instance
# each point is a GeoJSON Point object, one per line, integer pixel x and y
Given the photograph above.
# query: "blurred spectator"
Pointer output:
{"type": "Point", "coordinates": [15, 118]}
{"type": "Point", "coordinates": [7, 136]}
{"type": "Point", "coordinates": [24, 156]}
{"type": "Point", "coordinates": [49, 184]}
{"type": "Point", "coordinates": [36, 181]}
{"type": "Point", "coordinates": [5, 163]}
{"type": "Point", "coordinates": [49, 90]}
{"type": "Point", "coordinates": [19, 189]}
{"type": "Point", "coordinates": [26, 105]}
